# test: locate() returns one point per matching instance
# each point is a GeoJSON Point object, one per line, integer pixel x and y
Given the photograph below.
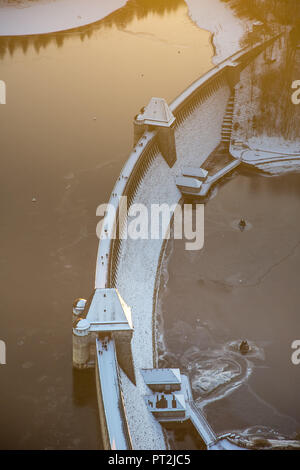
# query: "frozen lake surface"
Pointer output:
{"type": "Point", "coordinates": [47, 16]}
{"type": "Point", "coordinates": [66, 131]}
{"type": "Point", "coordinates": [241, 285]}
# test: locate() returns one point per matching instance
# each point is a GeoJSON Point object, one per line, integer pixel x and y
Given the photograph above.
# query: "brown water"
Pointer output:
{"type": "Point", "coordinates": [241, 285]}
{"type": "Point", "coordinates": [53, 150]}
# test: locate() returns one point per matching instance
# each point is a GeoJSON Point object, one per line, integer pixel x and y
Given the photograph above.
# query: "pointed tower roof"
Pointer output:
{"type": "Point", "coordinates": [161, 376]}
{"type": "Point", "coordinates": [157, 113]}
{"type": "Point", "coordinates": [109, 312]}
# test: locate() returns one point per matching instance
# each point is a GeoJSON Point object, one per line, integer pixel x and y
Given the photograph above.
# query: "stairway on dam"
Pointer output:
{"type": "Point", "coordinates": [228, 118]}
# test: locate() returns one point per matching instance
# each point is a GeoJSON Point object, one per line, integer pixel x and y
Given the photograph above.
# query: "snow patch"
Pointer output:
{"type": "Point", "coordinates": [46, 16]}
{"type": "Point", "coordinates": [219, 19]}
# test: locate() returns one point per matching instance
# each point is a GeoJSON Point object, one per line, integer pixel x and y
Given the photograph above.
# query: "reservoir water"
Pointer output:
{"type": "Point", "coordinates": [66, 131]}
{"type": "Point", "coordinates": [243, 285]}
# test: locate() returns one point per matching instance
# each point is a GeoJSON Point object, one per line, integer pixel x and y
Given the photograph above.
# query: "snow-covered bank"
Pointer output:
{"type": "Point", "coordinates": [26, 17]}
{"type": "Point", "coordinates": [265, 130]}
{"type": "Point", "coordinates": [48, 16]}
{"type": "Point", "coordinates": [219, 19]}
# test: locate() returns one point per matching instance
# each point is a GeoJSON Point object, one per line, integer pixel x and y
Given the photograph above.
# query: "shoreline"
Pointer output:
{"type": "Point", "coordinates": [54, 16]}
{"type": "Point", "coordinates": [227, 33]}
{"type": "Point", "coordinates": [29, 19]}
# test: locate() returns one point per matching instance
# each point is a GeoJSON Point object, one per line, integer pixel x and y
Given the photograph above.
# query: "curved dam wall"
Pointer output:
{"type": "Point", "coordinates": [135, 276]}
{"type": "Point", "coordinates": [133, 266]}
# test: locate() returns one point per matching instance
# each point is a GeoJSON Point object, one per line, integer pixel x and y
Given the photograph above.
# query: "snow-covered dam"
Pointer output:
{"type": "Point", "coordinates": [121, 313]}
